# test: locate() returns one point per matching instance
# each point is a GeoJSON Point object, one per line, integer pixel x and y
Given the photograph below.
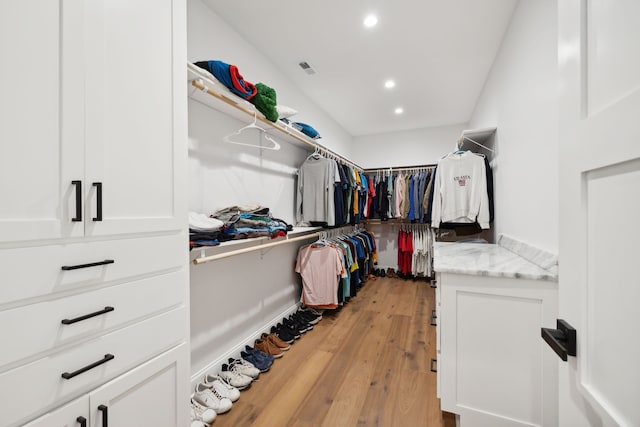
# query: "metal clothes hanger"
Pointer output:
{"type": "Point", "coordinates": [263, 133]}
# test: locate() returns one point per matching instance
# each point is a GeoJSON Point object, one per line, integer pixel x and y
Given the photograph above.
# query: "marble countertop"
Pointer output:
{"type": "Point", "coordinates": [487, 260]}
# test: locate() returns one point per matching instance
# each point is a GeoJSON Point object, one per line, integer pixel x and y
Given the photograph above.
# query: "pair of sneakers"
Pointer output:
{"type": "Point", "coordinates": [271, 345]}
{"type": "Point", "coordinates": [210, 398]}
{"type": "Point", "coordinates": [239, 373]}
{"type": "Point", "coordinates": [309, 314]}
{"type": "Point", "coordinates": [201, 416]}
{"type": "Point", "coordinates": [259, 359]}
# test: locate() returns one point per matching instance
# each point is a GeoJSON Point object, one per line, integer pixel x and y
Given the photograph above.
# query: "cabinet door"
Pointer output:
{"type": "Point", "coordinates": [41, 119]}
{"type": "Point", "coordinates": [153, 394]}
{"type": "Point", "coordinates": [74, 414]}
{"type": "Point", "coordinates": [135, 115]}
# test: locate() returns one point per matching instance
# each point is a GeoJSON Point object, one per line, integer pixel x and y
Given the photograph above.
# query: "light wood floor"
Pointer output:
{"type": "Point", "coordinates": [366, 364]}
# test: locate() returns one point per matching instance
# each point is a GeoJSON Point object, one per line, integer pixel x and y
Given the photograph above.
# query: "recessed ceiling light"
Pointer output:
{"type": "Point", "coordinates": [399, 110]}
{"type": "Point", "coordinates": [389, 84]}
{"type": "Point", "coordinates": [370, 21]}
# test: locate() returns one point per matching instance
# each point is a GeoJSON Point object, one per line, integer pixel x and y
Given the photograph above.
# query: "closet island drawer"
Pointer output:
{"type": "Point", "coordinates": [36, 271]}
{"type": "Point", "coordinates": [40, 384]}
{"type": "Point", "coordinates": [47, 325]}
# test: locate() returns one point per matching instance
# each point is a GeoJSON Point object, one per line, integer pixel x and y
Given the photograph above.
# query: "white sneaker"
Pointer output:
{"type": "Point", "coordinates": [231, 375]}
{"type": "Point", "coordinates": [210, 398]}
{"type": "Point", "coordinates": [224, 389]}
{"type": "Point", "coordinates": [201, 413]}
{"type": "Point", "coordinates": [245, 368]}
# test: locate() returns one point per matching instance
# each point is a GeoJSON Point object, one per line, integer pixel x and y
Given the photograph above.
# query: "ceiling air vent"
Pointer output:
{"type": "Point", "coordinates": [307, 68]}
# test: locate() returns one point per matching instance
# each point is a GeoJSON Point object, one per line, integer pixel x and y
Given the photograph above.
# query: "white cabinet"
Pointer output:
{"type": "Point", "coordinates": [74, 414]}
{"type": "Point", "coordinates": [150, 394]}
{"type": "Point", "coordinates": [92, 118]}
{"type": "Point", "coordinates": [93, 218]}
{"type": "Point", "coordinates": [493, 368]}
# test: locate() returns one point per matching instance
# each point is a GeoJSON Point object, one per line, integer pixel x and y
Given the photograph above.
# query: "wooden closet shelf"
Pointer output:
{"type": "Point", "coordinates": [214, 95]}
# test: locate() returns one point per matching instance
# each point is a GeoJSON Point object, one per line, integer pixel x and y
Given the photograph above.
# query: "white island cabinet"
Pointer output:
{"type": "Point", "coordinates": [493, 367]}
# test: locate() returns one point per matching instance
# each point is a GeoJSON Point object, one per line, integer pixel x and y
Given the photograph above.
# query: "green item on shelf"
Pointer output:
{"type": "Point", "coordinates": [265, 101]}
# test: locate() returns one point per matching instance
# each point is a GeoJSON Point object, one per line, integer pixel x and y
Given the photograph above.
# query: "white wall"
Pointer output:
{"type": "Point", "coordinates": [233, 299]}
{"type": "Point", "coordinates": [209, 37]}
{"type": "Point", "coordinates": [520, 98]}
{"type": "Point", "coordinates": [407, 148]}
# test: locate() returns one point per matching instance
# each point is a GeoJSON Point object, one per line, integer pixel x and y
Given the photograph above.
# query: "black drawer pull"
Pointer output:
{"type": "Point", "coordinates": [433, 318]}
{"type": "Point", "coordinates": [82, 421]}
{"type": "Point", "coordinates": [433, 284]}
{"type": "Point", "coordinates": [91, 264]}
{"type": "Point", "coordinates": [434, 362]}
{"type": "Point", "coordinates": [107, 357]}
{"type": "Point", "coordinates": [86, 316]}
{"type": "Point", "coordinates": [98, 216]}
{"type": "Point", "coordinates": [105, 415]}
{"type": "Point", "coordinates": [78, 216]}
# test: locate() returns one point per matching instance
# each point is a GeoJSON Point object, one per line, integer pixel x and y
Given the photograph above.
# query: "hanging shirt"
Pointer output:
{"type": "Point", "coordinates": [320, 268]}
{"type": "Point", "coordinates": [460, 193]}
{"type": "Point", "coordinates": [316, 187]}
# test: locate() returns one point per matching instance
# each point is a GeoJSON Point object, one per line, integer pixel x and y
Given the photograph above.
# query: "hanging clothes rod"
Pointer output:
{"type": "Point", "coordinates": [400, 168]}
{"type": "Point", "coordinates": [199, 83]}
{"type": "Point", "coordinates": [216, 257]}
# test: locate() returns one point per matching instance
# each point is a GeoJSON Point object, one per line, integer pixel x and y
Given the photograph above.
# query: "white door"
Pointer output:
{"type": "Point", "coordinates": [41, 120]}
{"type": "Point", "coordinates": [599, 288]}
{"type": "Point", "coordinates": [153, 394]}
{"type": "Point", "coordinates": [135, 115]}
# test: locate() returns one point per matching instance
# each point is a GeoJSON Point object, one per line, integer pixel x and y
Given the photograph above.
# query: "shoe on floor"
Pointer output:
{"type": "Point", "coordinates": [261, 355]}
{"type": "Point", "coordinates": [223, 389]}
{"type": "Point", "coordinates": [201, 413]}
{"type": "Point", "coordinates": [284, 334]}
{"type": "Point", "coordinates": [275, 340]}
{"type": "Point", "coordinates": [267, 347]}
{"type": "Point", "coordinates": [245, 367]}
{"type": "Point", "coordinates": [210, 398]}
{"type": "Point", "coordinates": [262, 364]}
{"type": "Point", "coordinates": [231, 375]}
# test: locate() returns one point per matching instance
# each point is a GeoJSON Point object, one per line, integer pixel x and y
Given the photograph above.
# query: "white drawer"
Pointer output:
{"type": "Point", "coordinates": [36, 271]}
{"type": "Point", "coordinates": [38, 327]}
{"type": "Point", "coordinates": [29, 388]}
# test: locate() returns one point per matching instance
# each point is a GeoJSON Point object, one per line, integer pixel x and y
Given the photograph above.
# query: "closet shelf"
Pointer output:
{"type": "Point", "coordinates": [213, 94]}
{"type": "Point", "coordinates": [205, 254]}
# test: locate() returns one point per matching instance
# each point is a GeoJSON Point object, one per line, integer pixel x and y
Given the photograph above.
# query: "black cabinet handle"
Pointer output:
{"type": "Point", "coordinates": [82, 421]}
{"type": "Point", "coordinates": [105, 415]}
{"type": "Point", "coordinates": [107, 357]}
{"type": "Point", "coordinates": [434, 362]}
{"type": "Point", "coordinates": [562, 340]}
{"type": "Point", "coordinates": [78, 216]}
{"type": "Point", "coordinates": [98, 216]}
{"type": "Point", "coordinates": [433, 318]}
{"type": "Point", "coordinates": [433, 283]}
{"type": "Point", "coordinates": [107, 309]}
{"type": "Point", "coordinates": [91, 264]}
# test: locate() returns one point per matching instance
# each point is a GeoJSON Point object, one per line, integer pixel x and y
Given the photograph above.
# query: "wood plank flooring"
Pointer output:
{"type": "Point", "coordinates": [366, 364]}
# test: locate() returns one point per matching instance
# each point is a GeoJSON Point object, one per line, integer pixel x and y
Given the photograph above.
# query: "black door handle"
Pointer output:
{"type": "Point", "coordinates": [78, 185]}
{"type": "Point", "coordinates": [107, 309]}
{"type": "Point", "coordinates": [434, 362]}
{"type": "Point", "coordinates": [82, 421]}
{"type": "Point", "coordinates": [98, 216]}
{"type": "Point", "coordinates": [105, 359]}
{"type": "Point", "coordinates": [91, 264]}
{"type": "Point", "coordinates": [562, 340]}
{"type": "Point", "coordinates": [105, 415]}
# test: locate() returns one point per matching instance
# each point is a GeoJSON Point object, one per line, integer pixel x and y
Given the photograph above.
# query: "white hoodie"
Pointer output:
{"type": "Point", "coordinates": [460, 193]}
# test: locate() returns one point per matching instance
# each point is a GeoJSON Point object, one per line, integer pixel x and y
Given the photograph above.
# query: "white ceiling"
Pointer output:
{"type": "Point", "coordinates": [438, 51]}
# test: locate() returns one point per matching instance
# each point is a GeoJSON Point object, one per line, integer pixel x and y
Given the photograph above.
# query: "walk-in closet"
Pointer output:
{"type": "Point", "coordinates": [319, 214]}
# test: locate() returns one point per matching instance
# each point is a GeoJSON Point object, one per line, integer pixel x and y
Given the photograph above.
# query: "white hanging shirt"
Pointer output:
{"type": "Point", "coordinates": [460, 193]}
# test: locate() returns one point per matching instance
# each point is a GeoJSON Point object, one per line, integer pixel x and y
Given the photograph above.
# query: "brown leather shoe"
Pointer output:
{"type": "Point", "coordinates": [275, 340]}
{"type": "Point", "coordinates": [268, 347]}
